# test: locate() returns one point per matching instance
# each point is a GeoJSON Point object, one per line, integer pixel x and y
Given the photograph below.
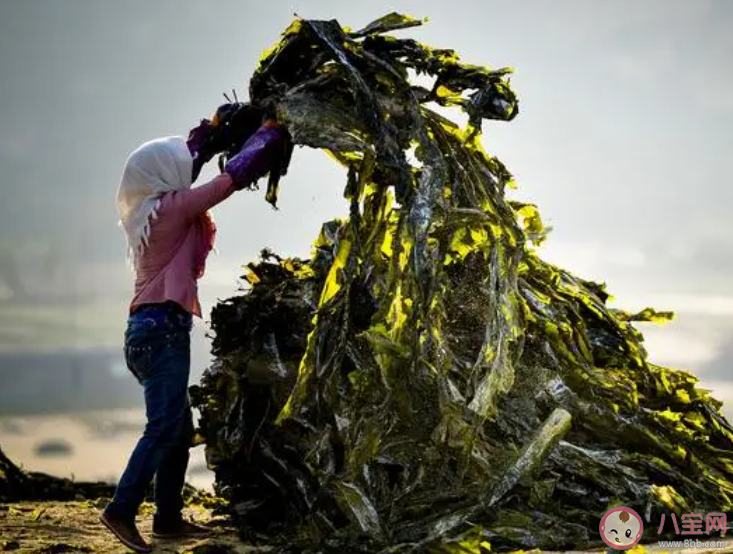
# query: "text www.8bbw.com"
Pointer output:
{"type": "Point", "coordinates": [692, 543]}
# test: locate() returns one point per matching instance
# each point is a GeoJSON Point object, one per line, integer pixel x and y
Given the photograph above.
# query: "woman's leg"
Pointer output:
{"type": "Point", "coordinates": [160, 356]}
{"type": "Point", "coordinates": [171, 475]}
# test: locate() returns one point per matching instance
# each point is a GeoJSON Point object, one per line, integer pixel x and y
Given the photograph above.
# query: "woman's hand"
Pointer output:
{"type": "Point", "coordinates": [258, 155]}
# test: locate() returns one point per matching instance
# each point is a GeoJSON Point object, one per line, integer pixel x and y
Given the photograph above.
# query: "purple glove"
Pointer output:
{"type": "Point", "coordinates": [256, 158]}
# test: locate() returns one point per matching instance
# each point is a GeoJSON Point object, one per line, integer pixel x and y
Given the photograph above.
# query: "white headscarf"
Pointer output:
{"type": "Point", "coordinates": [155, 168]}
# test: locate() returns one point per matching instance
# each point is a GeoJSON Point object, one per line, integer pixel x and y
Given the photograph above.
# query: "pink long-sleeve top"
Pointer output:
{"type": "Point", "coordinates": [166, 267]}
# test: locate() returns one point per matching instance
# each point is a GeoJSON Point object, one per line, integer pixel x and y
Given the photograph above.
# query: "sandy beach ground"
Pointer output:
{"type": "Point", "coordinates": [96, 446]}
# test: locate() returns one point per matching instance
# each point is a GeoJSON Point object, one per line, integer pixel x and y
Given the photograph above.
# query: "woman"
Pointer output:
{"type": "Point", "coordinates": [169, 234]}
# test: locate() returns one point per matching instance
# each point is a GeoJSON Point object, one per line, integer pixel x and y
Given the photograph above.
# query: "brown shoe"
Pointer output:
{"type": "Point", "coordinates": [126, 531]}
{"type": "Point", "coordinates": [179, 529]}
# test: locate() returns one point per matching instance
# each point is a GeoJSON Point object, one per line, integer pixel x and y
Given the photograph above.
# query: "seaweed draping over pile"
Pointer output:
{"type": "Point", "coordinates": [426, 382]}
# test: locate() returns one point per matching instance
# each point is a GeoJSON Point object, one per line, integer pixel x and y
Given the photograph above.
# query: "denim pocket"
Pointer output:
{"type": "Point", "coordinates": [139, 353]}
{"type": "Point", "coordinates": [139, 361]}
{"type": "Point", "coordinates": [140, 325]}
{"type": "Point", "coordinates": [152, 333]}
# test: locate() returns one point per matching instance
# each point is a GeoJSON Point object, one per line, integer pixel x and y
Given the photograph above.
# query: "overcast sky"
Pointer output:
{"type": "Point", "coordinates": [623, 140]}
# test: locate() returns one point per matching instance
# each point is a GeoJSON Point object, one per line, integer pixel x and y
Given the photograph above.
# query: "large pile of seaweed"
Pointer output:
{"type": "Point", "coordinates": [426, 382]}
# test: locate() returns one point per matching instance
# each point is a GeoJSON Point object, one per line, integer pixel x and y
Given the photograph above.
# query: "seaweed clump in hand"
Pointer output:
{"type": "Point", "coordinates": [426, 382]}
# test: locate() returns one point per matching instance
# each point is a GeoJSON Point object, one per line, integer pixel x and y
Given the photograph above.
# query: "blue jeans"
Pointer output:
{"type": "Point", "coordinates": [158, 353]}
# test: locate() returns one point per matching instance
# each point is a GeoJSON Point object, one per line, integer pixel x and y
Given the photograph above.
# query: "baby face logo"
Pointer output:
{"type": "Point", "coordinates": [621, 528]}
